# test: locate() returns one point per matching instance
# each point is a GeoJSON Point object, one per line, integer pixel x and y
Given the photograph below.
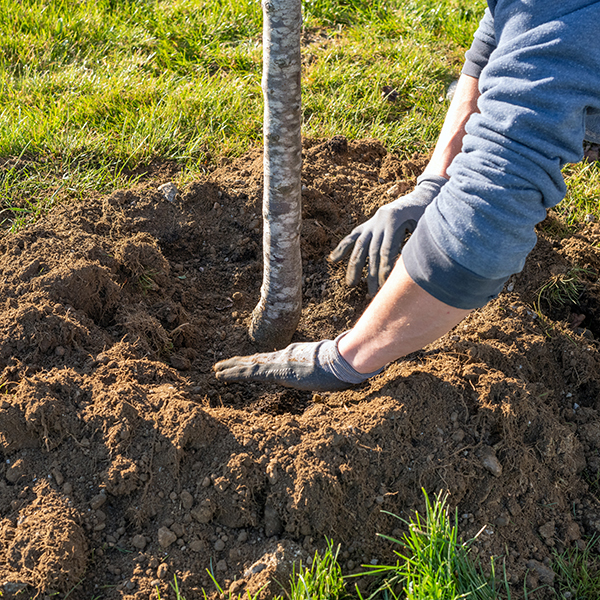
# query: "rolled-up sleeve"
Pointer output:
{"type": "Point", "coordinates": [484, 43]}
{"type": "Point", "coordinates": [541, 81]}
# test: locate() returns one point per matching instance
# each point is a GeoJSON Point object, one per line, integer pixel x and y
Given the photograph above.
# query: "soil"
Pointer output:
{"type": "Point", "coordinates": [125, 463]}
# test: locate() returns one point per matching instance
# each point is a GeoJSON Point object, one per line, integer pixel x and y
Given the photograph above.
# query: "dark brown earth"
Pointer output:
{"type": "Point", "coordinates": [125, 463]}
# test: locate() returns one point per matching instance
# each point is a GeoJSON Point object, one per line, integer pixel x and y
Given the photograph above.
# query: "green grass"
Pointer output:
{"type": "Point", "coordinates": [91, 93]}
{"type": "Point", "coordinates": [323, 579]}
{"type": "Point", "coordinates": [578, 572]}
{"type": "Point", "coordinates": [432, 564]}
{"type": "Point", "coordinates": [583, 195]}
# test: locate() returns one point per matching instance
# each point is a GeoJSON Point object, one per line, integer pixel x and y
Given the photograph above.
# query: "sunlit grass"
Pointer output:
{"type": "Point", "coordinates": [91, 93]}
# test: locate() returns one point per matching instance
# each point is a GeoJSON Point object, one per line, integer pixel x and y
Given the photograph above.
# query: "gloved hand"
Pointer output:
{"type": "Point", "coordinates": [382, 236]}
{"type": "Point", "coordinates": [316, 366]}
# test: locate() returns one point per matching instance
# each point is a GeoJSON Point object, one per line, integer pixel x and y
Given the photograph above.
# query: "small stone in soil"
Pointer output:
{"type": "Point", "coordinates": [222, 565]}
{"type": "Point", "coordinates": [97, 501]}
{"type": "Point", "coordinates": [162, 570]}
{"type": "Point", "coordinates": [545, 574]}
{"type": "Point", "coordinates": [490, 461]}
{"type": "Point", "coordinates": [219, 545]}
{"type": "Point", "coordinates": [187, 500]}
{"type": "Point", "coordinates": [547, 530]}
{"type": "Point", "coordinates": [501, 521]}
{"type": "Point", "coordinates": [166, 537]}
{"type": "Point", "coordinates": [272, 522]}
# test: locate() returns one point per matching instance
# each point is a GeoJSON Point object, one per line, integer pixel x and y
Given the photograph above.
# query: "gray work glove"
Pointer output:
{"type": "Point", "coordinates": [316, 366]}
{"type": "Point", "coordinates": [382, 236]}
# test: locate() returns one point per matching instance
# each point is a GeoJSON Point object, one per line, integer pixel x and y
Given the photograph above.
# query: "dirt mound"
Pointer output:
{"type": "Point", "coordinates": [46, 547]}
{"type": "Point", "coordinates": [114, 312]}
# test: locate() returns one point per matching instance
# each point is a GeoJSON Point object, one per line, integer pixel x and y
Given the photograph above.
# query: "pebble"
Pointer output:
{"type": "Point", "coordinates": [162, 570]}
{"type": "Point", "coordinates": [235, 586]}
{"type": "Point", "coordinates": [547, 530]}
{"type": "Point", "coordinates": [242, 537]}
{"type": "Point", "coordinates": [97, 501]}
{"type": "Point", "coordinates": [58, 476]}
{"type": "Point", "coordinates": [222, 565]}
{"type": "Point", "coordinates": [187, 500]}
{"type": "Point", "coordinates": [458, 435]}
{"type": "Point", "coordinates": [196, 545]}
{"type": "Point", "coordinates": [67, 488]}
{"type": "Point", "coordinates": [546, 574]}
{"type": "Point", "coordinates": [572, 532]}
{"type": "Point", "coordinates": [169, 191]}
{"type": "Point", "coordinates": [139, 542]}
{"type": "Point", "coordinates": [501, 521]}
{"type": "Point", "coordinates": [15, 471]}
{"type": "Point", "coordinates": [490, 461]}
{"type": "Point", "coordinates": [204, 512]}
{"type": "Point", "coordinates": [272, 473]}
{"type": "Point", "coordinates": [219, 545]}
{"type": "Point", "coordinates": [272, 522]}
{"type": "Point", "coordinates": [166, 537]}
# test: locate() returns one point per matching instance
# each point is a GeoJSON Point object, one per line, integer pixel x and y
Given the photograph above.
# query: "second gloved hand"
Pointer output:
{"type": "Point", "coordinates": [381, 237]}
{"type": "Point", "coordinates": [315, 366]}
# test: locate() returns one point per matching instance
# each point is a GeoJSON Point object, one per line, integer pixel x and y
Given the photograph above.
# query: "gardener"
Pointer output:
{"type": "Point", "coordinates": [528, 96]}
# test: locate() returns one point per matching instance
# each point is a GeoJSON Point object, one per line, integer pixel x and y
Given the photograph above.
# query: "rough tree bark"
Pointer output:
{"type": "Point", "coordinates": [277, 313]}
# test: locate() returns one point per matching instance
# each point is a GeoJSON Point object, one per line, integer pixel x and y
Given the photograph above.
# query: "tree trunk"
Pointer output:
{"type": "Point", "coordinates": [276, 316]}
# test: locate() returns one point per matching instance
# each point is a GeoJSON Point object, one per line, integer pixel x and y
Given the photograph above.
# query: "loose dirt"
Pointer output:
{"type": "Point", "coordinates": [125, 463]}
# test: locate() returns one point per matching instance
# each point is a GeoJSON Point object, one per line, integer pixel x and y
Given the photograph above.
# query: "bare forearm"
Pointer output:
{"type": "Point", "coordinates": [449, 144]}
{"type": "Point", "coordinates": [401, 319]}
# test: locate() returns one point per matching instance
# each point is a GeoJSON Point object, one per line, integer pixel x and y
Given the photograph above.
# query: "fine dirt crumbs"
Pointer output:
{"type": "Point", "coordinates": [125, 463]}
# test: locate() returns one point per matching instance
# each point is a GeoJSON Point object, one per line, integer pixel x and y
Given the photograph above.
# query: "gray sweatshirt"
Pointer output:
{"type": "Point", "coordinates": [538, 64]}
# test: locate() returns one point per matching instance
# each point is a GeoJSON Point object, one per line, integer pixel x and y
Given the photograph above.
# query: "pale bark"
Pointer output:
{"type": "Point", "coordinates": [276, 316]}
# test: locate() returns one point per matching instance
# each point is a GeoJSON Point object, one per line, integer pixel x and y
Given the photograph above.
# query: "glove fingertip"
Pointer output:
{"type": "Point", "coordinates": [353, 276]}
{"type": "Point", "coordinates": [341, 250]}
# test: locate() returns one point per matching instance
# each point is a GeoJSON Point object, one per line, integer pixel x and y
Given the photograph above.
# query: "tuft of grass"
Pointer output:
{"type": "Point", "coordinates": [432, 563]}
{"type": "Point", "coordinates": [561, 289]}
{"type": "Point", "coordinates": [581, 203]}
{"type": "Point", "coordinates": [578, 572]}
{"type": "Point", "coordinates": [175, 587]}
{"type": "Point", "coordinates": [322, 580]}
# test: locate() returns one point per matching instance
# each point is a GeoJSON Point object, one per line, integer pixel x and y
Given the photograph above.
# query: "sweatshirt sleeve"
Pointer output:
{"type": "Point", "coordinates": [541, 81]}
{"type": "Point", "coordinates": [484, 43]}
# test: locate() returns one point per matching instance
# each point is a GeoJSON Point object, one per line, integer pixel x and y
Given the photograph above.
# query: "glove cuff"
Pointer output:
{"type": "Point", "coordinates": [342, 369]}
{"type": "Point", "coordinates": [438, 180]}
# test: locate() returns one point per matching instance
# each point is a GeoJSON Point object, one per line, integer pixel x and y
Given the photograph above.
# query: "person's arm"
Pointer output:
{"type": "Point", "coordinates": [401, 319]}
{"type": "Point", "coordinates": [449, 144]}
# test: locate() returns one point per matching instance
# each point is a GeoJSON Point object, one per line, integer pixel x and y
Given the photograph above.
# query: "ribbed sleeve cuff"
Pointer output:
{"type": "Point", "coordinates": [476, 58]}
{"type": "Point", "coordinates": [340, 367]}
{"type": "Point", "coordinates": [443, 278]}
